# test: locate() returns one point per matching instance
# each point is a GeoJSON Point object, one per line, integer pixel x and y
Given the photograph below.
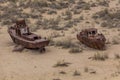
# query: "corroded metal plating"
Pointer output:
{"type": "Point", "coordinates": [21, 35]}
{"type": "Point", "coordinates": [91, 38]}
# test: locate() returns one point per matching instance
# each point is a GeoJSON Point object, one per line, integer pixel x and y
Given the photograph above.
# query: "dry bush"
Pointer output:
{"type": "Point", "coordinates": [42, 10]}
{"type": "Point", "coordinates": [25, 15]}
{"type": "Point", "coordinates": [50, 12]}
{"type": "Point", "coordinates": [56, 34]}
{"type": "Point", "coordinates": [52, 42]}
{"type": "Point", "coordinates": [73, 47]}
{"type": "Point", "coordinates": [73, 22]}
{"type": "Point", "coordinates": [110, 19]}
{"type": "Point", "coordinates": [45, 24]}
{"type": "Point", "coordinates": [63, 4]}
{"type": "Point", "coordinates": [86, 69]}
{"type": "Point", "coordinates": [6, 22]}
{"type": "Point", "coordinates": [92, 72]}
{"type": "Point", "coordinates": [62, 64]}
{"type": "Point", "coordinates": [65, 44]}
{"type": "Point", "coordinates": [37, 4]}
{"type": "Point", "coordinates": [67, 15]}
{"type": "Point", "coordinates": [76, 73]}
{"type": "Point", "coordinates": [119, 1]}
{"type": "Point", "coordinates": [51, 23]}
{"type": "Point", "coordinates": [58, 5]}
{"type": "Point", "coordinates": [39, 22]}
{"type": "Point", "coordinates": [103, 3]}
{"type": "Point", "coordinates": [101, 14]}
{"type": "Point", "coordinates": [57, 79]}
{"type": "Point", "coordinates": [54, 5]}
{"type": "Point", "coordinates": [14, 1]}
{"type": "Point", "coordinates": [75, 11]}
{"type": "Point", "coordinates": [62, 72]}
{"type": "Point", "coordinates": [75, 50]}
{"type": "Point", "coordinates": [115, 40]}
{"type": "Point", "coordinates": [117, 72]}
{"type": "Point", "coordinates": [82, 5]}
{"type": "Point", "coordinates": [100, 57]}
{"type": "Point", "coordinates": [117, 56]}
{"type": "Point", "coordinates": [54, 23]}
{"type": "Point", "coordinates": [105, 24]}
{"type": "Point", "coordinates": [33, 28]}
{"type": "Point", "coordinates": [72, 1]}
{"type": "Point", "coordinates": [69, 24]}
{"type": "Point", "coordinates": [77, 20]}
{"type": "Point", "coordinates": [51, 0]}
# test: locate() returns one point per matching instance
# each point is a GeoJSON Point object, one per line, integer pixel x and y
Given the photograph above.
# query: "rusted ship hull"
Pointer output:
{"type": "Point", "coordinates": [93, 43]}
{"type": "Point", "coordinates": [27, 43]}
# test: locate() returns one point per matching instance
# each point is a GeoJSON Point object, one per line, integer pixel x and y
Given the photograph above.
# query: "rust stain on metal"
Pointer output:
{"type": "Point", "coordinates": [92, 38]}
{"type": "Point", "coordinates": [21, 35]}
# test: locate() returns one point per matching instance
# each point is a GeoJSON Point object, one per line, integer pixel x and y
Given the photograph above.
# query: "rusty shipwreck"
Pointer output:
{"type": "Point", "coordinates": [21, 35]}
{"type": "Point", "coordinates": [92, 38]}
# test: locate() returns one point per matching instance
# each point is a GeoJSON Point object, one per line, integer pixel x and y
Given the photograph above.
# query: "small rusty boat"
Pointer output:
{"type": "Point", "coordinates": [21, 35]}
{"type": "Point", "coordinates": [92, 38]}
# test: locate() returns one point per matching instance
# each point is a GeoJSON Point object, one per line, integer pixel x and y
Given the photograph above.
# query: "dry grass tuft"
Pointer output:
{"type": "Point", "coordinates": [65, 43]}
{"type": "Point", "coordinates": [100, 56]}
{"type": "Point", "coordinates": [117, 56]}
{"type": "Point", "coordinates": [62, 64]}
{"type": "Point", "coordinates": [86, 69]}
{"type": "Point", "coordinates": [62, 72]}
{"type": "Point", "coordinates": [75, 50]}
{"type": "Point", "coordinates": [76, 73]}
{"type": "Point", "coordinates": [115, 40]}
{"type": "Point", "coordinates": [57, 79]}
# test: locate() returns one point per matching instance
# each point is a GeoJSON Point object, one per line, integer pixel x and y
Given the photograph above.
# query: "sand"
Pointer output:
{"type": "Point", "coordinates": [33, 65]}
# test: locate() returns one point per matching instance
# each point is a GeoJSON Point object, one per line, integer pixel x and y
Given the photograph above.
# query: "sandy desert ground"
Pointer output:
{"type": "Point", "coordinates": [60, 21]}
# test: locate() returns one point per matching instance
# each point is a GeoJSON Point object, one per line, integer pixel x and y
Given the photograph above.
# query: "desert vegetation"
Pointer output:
{"type": "Point", "coordinates": [76, 73]}
{"type": "Point", "coordinates": [117, 56]}
{"type": "Point", "coordinates": [62, 64]}
{"type": "Point", "coordinates": [100, 56]}
{"type": "Point", "coordinates": [65, 57]}
{"type": "Point", "coordinates": [110, 19]}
